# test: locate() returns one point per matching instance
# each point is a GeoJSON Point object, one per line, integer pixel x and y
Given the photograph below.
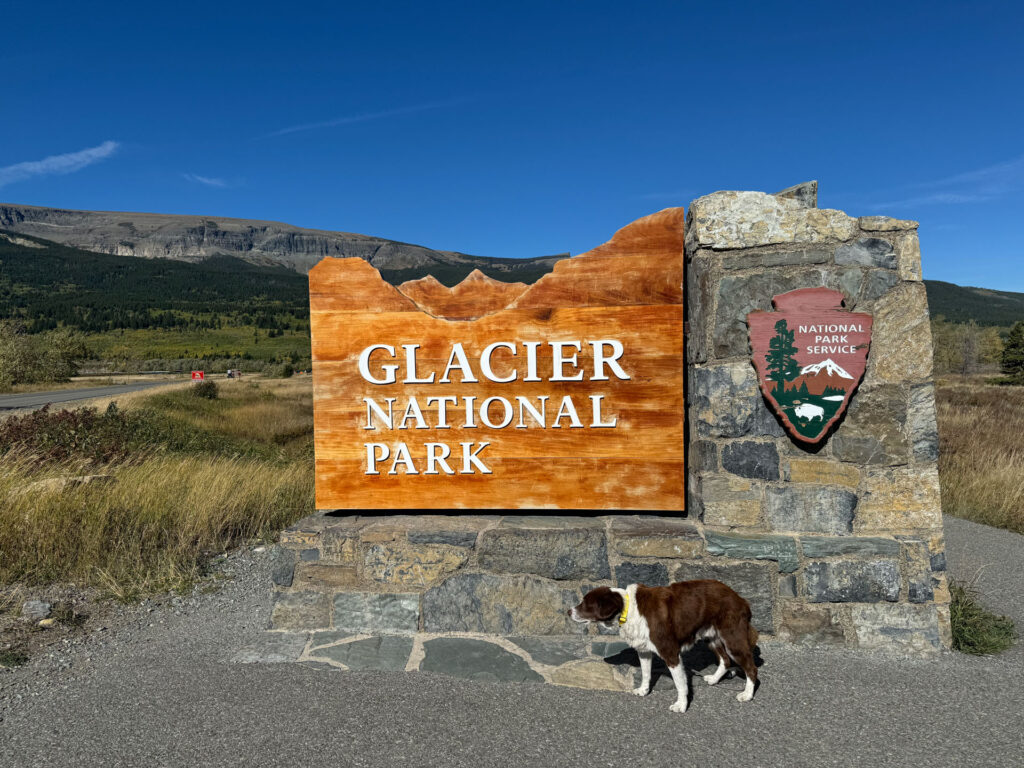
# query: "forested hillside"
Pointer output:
{"type": "Point", "coordinates": [984, 306]}
{"type": "Point", "coordinates": [46, 285]}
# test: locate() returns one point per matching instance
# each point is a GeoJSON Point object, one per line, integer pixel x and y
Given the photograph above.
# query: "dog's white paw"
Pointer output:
{"type": "Point", "coordinates": [710, 679]}
{"type": "Point", "coordinates": [641, 691]}
{"type": "Point", "coordinates": [679, 706]}
{"type": "Point", "coordinates": [744, 696]}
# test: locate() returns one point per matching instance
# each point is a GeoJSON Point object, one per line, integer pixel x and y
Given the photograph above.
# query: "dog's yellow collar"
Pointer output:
{"type": "Point", "coordinates": [625, 608]}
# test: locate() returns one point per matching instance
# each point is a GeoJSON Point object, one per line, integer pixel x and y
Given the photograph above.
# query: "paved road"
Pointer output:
{"type": "Point", "coordinates": [32, 400]}
{"type": "Point", "coordinates": [165, 695]}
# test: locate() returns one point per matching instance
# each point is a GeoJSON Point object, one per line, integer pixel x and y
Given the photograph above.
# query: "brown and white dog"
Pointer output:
{"type": "Point", "coordinates": [669, 620]}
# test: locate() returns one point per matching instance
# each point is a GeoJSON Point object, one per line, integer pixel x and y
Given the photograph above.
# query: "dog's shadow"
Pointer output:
{"type": "Point", "coordinates": [699, 657]}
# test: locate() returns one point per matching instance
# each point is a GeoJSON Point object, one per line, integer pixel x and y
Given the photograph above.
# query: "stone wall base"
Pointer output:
{"type": "Point", "coordinates": [446, 578]}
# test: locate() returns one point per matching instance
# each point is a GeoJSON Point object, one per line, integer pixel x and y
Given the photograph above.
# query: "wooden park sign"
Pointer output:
{"type": "Point", "coordinates": [565, 394]}
{"type": "Point", "coordinates": [810, 355]}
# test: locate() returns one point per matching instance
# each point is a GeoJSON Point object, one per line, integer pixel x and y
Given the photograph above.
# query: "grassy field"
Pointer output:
{"type": "Point", "coordinates": [233, 341]}
{"type": "Point", "coordinates": [175, 479]}
{"type": "Point", "coordinates": [981, 460]}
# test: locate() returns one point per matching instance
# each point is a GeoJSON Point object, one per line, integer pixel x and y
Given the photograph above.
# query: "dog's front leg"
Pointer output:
{"type": "Point", "coordinates": [679, 678]}
{"type": "Point", "coordinates": [645, 673]}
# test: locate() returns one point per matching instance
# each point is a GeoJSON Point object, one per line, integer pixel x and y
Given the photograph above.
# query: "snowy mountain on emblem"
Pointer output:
{"type": "Point", "coordinates": [828, 366]}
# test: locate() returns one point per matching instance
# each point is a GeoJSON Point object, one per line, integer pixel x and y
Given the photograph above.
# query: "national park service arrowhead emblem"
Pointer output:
{"type": "Point", "coordinates": [810, 355]}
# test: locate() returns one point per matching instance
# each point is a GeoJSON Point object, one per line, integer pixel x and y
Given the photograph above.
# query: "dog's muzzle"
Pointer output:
{"type": "Point", "coordinates": [576, 617]}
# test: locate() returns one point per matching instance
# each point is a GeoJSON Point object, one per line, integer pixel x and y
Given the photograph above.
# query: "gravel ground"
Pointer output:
{"type": "Point", "coordinates": [156, 689]}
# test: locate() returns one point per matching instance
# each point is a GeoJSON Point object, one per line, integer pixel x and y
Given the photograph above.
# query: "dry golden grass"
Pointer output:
{"type": "Point", "coordinates": [166, 511]}
{"type": "Point", "coordinates": [254, 410]}
{"type": "Point", "coordinates": [147, 529]}
{"type": "Point", "coordinates": [981, 460]}
{"type": "Point", "coordinates": [263, 410]}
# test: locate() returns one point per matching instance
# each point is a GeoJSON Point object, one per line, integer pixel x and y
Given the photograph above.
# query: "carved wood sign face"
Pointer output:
{"type": "Point", "coordinates": [810, 355]}
{"type": "Point", "coordinates": [564, 394]}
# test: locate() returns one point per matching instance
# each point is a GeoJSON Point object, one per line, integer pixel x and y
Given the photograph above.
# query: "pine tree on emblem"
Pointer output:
{"type": "Point", "coordinates": [782, 365]}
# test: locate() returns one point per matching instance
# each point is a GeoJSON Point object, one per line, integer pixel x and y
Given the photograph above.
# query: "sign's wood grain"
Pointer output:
{"type": "Point", "coordinates": [551, 483]}
{"type": "Point", "coordinates": [565, 394]}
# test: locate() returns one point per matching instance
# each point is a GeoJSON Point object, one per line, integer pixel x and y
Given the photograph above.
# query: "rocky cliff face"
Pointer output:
{"type": "Point", "coordinates": [194, 238]}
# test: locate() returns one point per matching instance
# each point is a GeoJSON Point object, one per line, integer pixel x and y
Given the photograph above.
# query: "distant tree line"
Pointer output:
{"type": "Point", "coordinates": [967, 348]}
{"type": "Point", "coordinates": [43, 316]}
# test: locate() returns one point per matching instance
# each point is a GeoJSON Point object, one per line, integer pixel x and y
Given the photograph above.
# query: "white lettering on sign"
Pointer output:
{"type": "Point", "coordinates": [601, 359]}
{"type": "Point", "coordinates": [458, 359]}
{"type": "Point", "coordinates": [383, 365]}
{"type": "Point", "coordinates": [834, 328]}
{"type": "Point", "coordinates": [485, 362]}
{"type": "Point", "coordinates": [364, 365]}
{"type": "Point", "coordinates": [842, 349]}
{"type": "Point", "coordinates": [607, 353]}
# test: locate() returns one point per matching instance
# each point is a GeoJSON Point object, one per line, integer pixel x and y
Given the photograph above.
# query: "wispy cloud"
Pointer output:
{"type": "Point", "coordinates": [1001, 177]}
{"type": "Point", "coordinates": [57, 164]}
{"type": "Point", "coordinates": [209, 181]}
{"type": "Point", "coordinates": [978, 186]}
{"type": "Point", "coordinates": [938, 198]}
{"type": "Point", "coordinates": [360, 118]}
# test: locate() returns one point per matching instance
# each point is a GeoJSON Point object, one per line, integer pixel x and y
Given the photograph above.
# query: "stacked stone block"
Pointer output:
{"type": "Point", "coordinates": [853, 524]}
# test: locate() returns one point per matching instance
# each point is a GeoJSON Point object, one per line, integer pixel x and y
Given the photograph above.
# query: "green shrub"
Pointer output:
{"type": "Point", "coordinates": [204, 389]}
{"type": "Point", "coordinates": [283, 371]}
{"type": "Point", "coordinates": [57, 436]}
{"type": "Point", "coordinates": [44, 357]}
{"type": "Point", "coordinates": [976, 630]}
{"type": "Point", "coordinates": [12, 657]}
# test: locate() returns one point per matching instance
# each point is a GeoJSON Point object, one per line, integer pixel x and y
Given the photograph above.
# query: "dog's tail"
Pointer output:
{"type": "Point", "coordinates": [752, 636]}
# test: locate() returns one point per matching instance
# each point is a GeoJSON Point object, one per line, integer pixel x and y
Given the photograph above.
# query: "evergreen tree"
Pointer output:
{"type": "Point", "coordinates": [782, 365]}
{"type": "Point", "coordinates": [1013, 353]}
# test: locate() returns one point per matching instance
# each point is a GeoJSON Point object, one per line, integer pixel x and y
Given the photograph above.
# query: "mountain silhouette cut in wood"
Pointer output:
{"type": "Point", "coordinates": [477, 295]}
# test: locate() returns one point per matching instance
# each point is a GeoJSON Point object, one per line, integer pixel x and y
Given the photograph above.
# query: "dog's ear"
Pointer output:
{"type": "Point", "coordinates": [603, 603]}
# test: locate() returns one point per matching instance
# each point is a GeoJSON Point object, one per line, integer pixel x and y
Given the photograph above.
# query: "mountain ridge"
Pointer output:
{"type": "Point", "coordinates": [191, 238]}
{"type": "Point", "coordinates": [195, 239]}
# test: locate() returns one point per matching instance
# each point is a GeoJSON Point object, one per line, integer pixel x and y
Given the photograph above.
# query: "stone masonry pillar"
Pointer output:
{"type": "Point", "coordinates": [857, 516]}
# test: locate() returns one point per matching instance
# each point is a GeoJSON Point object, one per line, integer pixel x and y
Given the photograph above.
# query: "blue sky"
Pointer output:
{"type": "Point", "coordinates": [523, 129]}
